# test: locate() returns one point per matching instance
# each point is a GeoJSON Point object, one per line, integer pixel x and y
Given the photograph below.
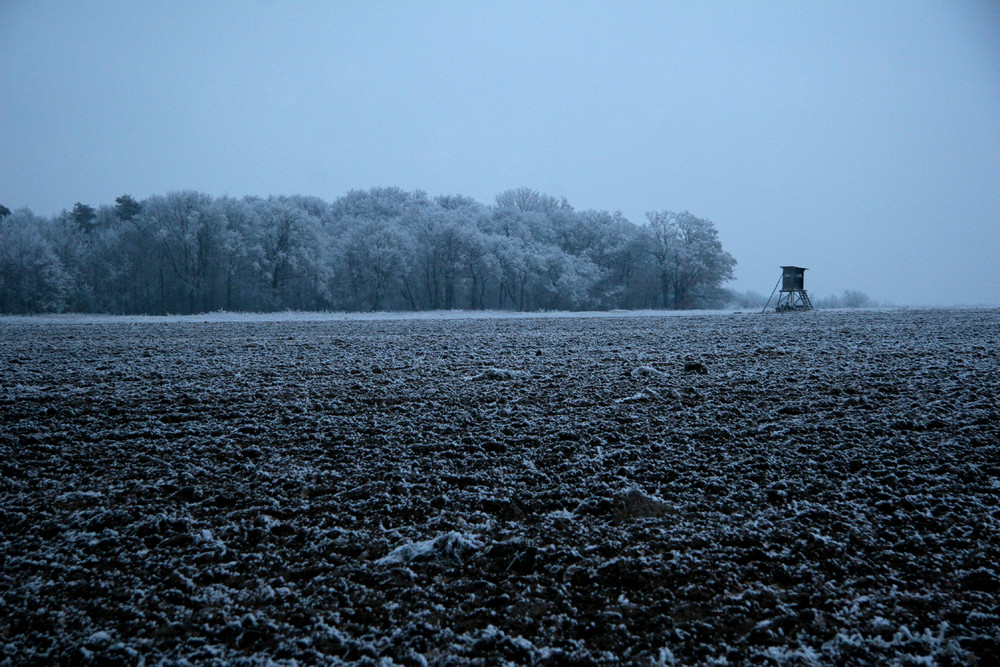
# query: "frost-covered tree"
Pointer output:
{"type": "Point", "coordinates": [92, 258]}
{"type": "Point", "coordinates": [382, 248]}
{"type": "Point", "coordinates": [850, 298]}
{"type": "Point", "coordinates": [291, 243]}
{"type": "Point", "coordinates": [445, 237]}
{"type": "Point", "coordinates": [691, 263]}
{"type": "Point", "coordinates": [376, 244]}
{"type": "Point", "coordinates": [374, 253]}
{"type": "Point", "coordinates": [32, 278]}
{"type": "Point", "coordinates": [528, 199]}
{"type": "Point", "coordinates": [189, 235]}
{"type": "Point", "coordinates": [853, 298]}
{"type": "Point", "coordinates": [747, 299]}
{"type": "Point", "coordinates": [385, 203]}
{"type": "Point", "coordinates": [564, 281]}
{"type": "Point", "coordinates": [618, 249]}
{"type": "Point", "coordinates": [245, 285]}
{"type": "Point", "coordinates": [512, 259]}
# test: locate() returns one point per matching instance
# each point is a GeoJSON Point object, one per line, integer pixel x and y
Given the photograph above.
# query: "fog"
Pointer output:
{"type": "Point", "coordinates": [861, 140]}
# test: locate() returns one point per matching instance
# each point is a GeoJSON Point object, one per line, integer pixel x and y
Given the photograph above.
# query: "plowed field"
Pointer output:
{"type": "Point", "coordinates": [806, 488]}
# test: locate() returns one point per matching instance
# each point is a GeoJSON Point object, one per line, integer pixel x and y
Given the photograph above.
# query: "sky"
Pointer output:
{"type": "Point", "coordinates": [859, 139]}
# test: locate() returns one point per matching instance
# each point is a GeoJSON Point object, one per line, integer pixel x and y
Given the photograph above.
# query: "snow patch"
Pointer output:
{"type": "Point", "coordinates": [647, 394]}
{"type": "Point", "coordinates": [648, 372]}
{"type": "Point", "coordinates": [449, 549]}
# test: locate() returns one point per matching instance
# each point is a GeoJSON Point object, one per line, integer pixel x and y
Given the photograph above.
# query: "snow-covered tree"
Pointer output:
{"type": "Point", "coordinates": [189, 235]}
{"type": "Point", "coordinates": [382, 248]}
{"type": "Point", "coordinates": [691, 263]}
{"type": "Point", "coordinates": [291, 246]}
{"type": "Point", "coordinates": [32, 278]}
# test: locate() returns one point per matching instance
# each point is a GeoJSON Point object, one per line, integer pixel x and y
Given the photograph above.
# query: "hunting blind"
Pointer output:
{"type": "Point", "coordinates": [793, 294]}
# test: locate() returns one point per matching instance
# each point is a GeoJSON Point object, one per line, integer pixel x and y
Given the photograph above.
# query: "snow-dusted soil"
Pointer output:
{"type": "Point", "coordinates": [803, 488]}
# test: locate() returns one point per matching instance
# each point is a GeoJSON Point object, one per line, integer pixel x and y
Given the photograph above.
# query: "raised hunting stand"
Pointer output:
{"type": "Point", "coordinates": [793, 295]}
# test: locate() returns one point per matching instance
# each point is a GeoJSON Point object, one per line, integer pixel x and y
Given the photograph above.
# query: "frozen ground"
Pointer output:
{"type": "Point", "coordinates": [301, 316]}
{"type": "Point", "coordinates": [783, 489]}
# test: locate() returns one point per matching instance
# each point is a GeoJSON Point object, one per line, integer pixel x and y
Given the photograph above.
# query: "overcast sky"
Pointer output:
{"type": "Point", "coordinates": [858, 139]}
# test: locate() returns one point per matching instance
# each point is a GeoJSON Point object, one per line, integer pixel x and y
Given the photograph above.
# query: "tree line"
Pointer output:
{"type": "Point", "coordinates": [370, 250]}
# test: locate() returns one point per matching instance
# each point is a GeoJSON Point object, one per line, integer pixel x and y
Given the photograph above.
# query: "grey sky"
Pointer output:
{"type": "Point", "coordinates": [859, 139]}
